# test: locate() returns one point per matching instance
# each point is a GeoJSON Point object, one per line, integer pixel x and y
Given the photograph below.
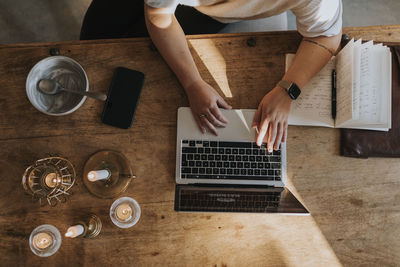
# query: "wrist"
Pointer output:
{"type": "Point", "coordinates": [291, 89]}
{"type": "Point", "coordinates": [284, 92]}
{"type": "Point", "coordinates": [192, 84]}
{"type": "Point", "coordinates": [283, 95]}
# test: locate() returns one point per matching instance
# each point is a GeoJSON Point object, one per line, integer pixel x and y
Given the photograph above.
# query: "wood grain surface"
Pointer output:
{"type": "Point", "coordinates": [355, 203]}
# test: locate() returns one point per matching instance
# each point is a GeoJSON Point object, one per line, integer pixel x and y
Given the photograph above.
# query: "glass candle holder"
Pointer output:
{"type": "Point", "coordinates": [45, 240]}
{"type": "Point", "coordinates": [107, 174]}
{"type": "Point", "coordinates": [125, 212]}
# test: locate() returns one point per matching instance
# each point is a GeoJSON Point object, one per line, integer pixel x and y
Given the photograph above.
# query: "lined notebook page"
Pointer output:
{"type": "Point", "coordinates": [368, 86]}
{"type": "Point", "coordinates": [356, 79]}
{"type": "Point", "coordinates": [344, 92]}
{"type": "Point", "coordinates": [313, 107]}
{"type": "Point", "coordinates": [371, 95]}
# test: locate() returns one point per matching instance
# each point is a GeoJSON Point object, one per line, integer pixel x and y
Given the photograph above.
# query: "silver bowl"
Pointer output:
{"type": "Point", "coordinates": [68, 73]}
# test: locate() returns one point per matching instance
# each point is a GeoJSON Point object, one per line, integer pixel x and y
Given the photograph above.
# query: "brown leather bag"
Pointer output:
{"type": "Point", "coordinates": [364, 143]}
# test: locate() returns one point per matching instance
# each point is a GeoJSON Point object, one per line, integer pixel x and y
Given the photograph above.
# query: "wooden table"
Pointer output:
{"type": "Point", "coordinates": [355, 203]}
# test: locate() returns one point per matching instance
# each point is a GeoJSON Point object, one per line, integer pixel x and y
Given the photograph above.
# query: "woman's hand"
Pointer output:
{"type": "Point", "coordinates": [271, 118]}
{"type": "Point", "coordinates": [205, 103]}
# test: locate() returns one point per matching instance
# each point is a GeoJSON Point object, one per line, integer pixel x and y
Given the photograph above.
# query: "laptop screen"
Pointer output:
{"type": "Point", "coordinates": [234, 198]}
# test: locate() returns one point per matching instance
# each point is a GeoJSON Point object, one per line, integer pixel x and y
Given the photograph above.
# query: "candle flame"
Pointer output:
{"type": "Point", "coordinates": [91, 176]}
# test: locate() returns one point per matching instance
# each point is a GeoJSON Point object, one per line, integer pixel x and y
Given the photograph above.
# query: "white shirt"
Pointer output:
{"type": "Point", "coordinates": [313, 17]}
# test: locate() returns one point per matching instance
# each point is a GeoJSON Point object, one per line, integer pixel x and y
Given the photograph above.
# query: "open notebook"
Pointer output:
{"type": "Point", "coordinates": [363, 90]}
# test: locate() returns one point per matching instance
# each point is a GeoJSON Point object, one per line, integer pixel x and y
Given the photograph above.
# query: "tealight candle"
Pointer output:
{"type": "Point", "coordinates": [45, 240]}
{"type": "Point", "coordinates": [123, 211]}
{"type": "Point", "coordinates": [42, 240]}
{"type": "Point", "coordinates": [51, 180]}
{"type": "Point", "coordinates": [75, 231]}
{"type": "Point", "coordinates": [98, 175]}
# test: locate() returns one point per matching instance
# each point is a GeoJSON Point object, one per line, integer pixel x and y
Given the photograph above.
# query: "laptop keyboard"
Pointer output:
{"type": "Point", "coordinates": [203, 159]}
{"type": "Point", "coordinates": [226, 201]}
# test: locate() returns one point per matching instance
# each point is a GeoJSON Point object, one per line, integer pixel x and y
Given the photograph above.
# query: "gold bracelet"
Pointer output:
{"type": "Point", "coordinates": [321, 45]}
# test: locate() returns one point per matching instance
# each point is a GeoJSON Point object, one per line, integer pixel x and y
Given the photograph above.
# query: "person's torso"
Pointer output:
{"type": "Point", "coordinates": [235, 10]}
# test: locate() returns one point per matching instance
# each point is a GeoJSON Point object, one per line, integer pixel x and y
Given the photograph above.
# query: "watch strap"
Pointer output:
{"type": "Point", "coordinates": [285, 84]}
{"type": "Point", "coordinates": [291, 88]}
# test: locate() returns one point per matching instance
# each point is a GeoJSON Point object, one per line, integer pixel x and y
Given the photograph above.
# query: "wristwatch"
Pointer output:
{"type": "Point", "coordinates": [291, 88]}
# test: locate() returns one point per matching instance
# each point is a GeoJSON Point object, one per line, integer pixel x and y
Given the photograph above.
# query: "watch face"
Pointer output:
{"type": "Point", "coordinates": [294, 91]}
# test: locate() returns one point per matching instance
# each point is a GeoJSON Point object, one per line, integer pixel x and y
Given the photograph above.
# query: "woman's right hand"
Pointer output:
{"type": "Point", "coordinates": [205, 103]}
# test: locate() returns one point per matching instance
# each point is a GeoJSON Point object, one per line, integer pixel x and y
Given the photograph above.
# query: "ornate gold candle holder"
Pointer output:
{"type": "Point", "coordinates": [107, 174]}
{"type": "Point", "coordinates": [49, 179]}
{"type": "Point", "coordinates": [88, 227]}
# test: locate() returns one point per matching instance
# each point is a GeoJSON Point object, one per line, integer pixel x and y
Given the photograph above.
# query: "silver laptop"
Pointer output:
{"type": "Point", "coordinates": [229, 172]}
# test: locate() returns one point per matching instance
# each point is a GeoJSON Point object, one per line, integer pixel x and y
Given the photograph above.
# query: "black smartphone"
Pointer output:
{"type": "Point", "coordinates": [123, 97]}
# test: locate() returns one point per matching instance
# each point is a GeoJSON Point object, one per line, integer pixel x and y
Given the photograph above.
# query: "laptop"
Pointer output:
{"type": "Point", "coordinates": [229, 172]}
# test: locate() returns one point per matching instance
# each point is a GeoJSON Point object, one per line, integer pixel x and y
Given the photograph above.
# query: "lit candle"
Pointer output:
{"type": "Point", "coordinates": [42, 240]}
{"type": "Point", "coordinates": [75, 231]}
{"type": "Point", "coordinates": [124, 211]}
{"type": "Point", "coordinates": [51, 180]}
{"type": "Point", "coordinates": [98, 175]}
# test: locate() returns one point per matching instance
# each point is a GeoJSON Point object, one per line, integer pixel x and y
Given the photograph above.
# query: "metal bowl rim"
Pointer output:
{"type": "Point", "coordinates": [62, 58]}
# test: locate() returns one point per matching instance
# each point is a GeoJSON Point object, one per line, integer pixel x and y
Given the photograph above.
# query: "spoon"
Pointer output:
{"type": "Point", "coordinates": [52, 87]}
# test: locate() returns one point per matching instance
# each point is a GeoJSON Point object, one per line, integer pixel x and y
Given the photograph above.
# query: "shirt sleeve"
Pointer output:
{"type": "Point", "coordinates": [162, 3]}
{"type": "Point", "coordinates": [319, 18]}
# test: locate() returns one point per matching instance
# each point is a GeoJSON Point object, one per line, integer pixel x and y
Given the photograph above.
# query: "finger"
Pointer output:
{"type": "Point", "coordinates": [222, 103]}
{"type": "Point", "coordinates": [284, 136]}
{"type": "Point", "coordinates": [211, 118]}
{"type": "Point", "coordinates": [199, 123]}
{"type": "Point", "coordinates": [279, 135]}
{"type": "Point", "coordinates": [218, 115]}
{"type": "Point", "coordinates": [208, 124]}
{"type": "Point", "coordinates": [272, 136]}
{"type": "Point", "coordinates": [262, 131]}
{"type": "Point", "coordinates": [256, 119]}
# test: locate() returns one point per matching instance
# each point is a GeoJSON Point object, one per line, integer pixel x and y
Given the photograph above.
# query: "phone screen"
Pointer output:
{"type": "Point", "coordinates": [123, 97]}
